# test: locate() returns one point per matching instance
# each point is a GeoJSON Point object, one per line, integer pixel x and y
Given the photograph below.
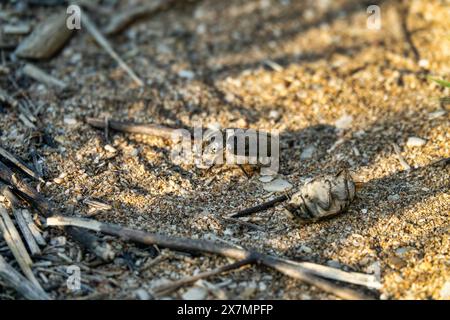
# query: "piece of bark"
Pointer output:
{"type": "Point", "coordinates": [294, 270]}
{"type": "Point", "coordinates": [147, 129]}
{"type": "Point", "coordinates": [40, 75]}
{"type": "Point", "coordinates": [18, 163]}
{"type": "Point", "coordinates": [121, 20]}
{"type": "Point", "coordinates": [101, 40]}
{"type": "Point", "coordinates": [26, 232]}
{"type": "Point", "coordinates": [15, 280]}
{"type": "Point", "coordinates": [14, 242]}
{"type": "Point", "coordinates": [46, 40]}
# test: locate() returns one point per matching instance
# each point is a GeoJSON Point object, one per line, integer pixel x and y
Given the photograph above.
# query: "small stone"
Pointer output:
{"type": "Point", "coordinates": [186, 74]}
{"type": "Point", "coordinates": [70, 121]}
{"type": "Point", "coordinates": [445, 291]}
{"type": "Point", "coordinates": [396, 262]}
{"type": "Point", "coordinates": [393, 197]}
{"type": "Point", "coordinates": [403, 250]}
{"type": "Point", "coordinates": [110, 149]}
{"type": "Point", "coordinates": [415, 142]}
{"type": "Point", "coordinates": [424, 63]}
{"type": "Point", "coordinates": [334, 264]}
{"type": "Point", "coordinates": [228, 232]}
{"type": "Point", "coordinates": [305, 249]}
{"type": "Point", "coordinates": [142, 294]}
{"type": "Point", "coordinates": [195, 293]}
{"type": "Point", "coordinates": [344, 122]}
{"type": "Point", "coordinates": [307, 153]}
{"type": "Point", "coordinates": [277, 185]}
{"type": "Point", "coordinates": [274, 115]}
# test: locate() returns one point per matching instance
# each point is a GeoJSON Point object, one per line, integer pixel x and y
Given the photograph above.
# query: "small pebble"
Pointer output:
{"type": "Point", "coordinates": [344, 122]}
{"type": "Point", "coordinates": [307, 153]}
{"type": "Point", "coordinates": [277, 185]}
{"type": "Point", "coordinates": [142, 294]}
{"type": "Point", "coordinates": [195, 293]}
{"type": "Point", "coordinates": [436, 114]}
{"type": "Point", "coordinates": [424, 63]}
{"type": "Point", "coordinates": [305, 249]}
{"type": "Point", "coordinates": [394, 197]}
{"type": "Point", "coordinates": [415, 142]}
{"type": "Point", "coordinates": [274, 114]}
{"type": "Point", "coordinates": [110, 148]}
{"type": "Point", "coordinates": [445, 291]}
{"type": "Point", "coordinates": [70, 121]}
{"type": "Point", "coordinates": [186, 74]}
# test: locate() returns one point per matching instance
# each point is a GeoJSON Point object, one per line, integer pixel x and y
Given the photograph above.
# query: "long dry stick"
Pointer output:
{"type": "Point", "coordinates": [101, 40]}
{"type": "Point", "coordinates": [169, 287]}
{"type": "Point", "coordinates": [147, 129]}
{"type": "Point", "coordinates": [15, 280]}
{"type": "Point", "coordinates": [284, 266]}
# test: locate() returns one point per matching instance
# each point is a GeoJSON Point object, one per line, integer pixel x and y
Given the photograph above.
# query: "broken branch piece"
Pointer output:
{"type": "Point", "coordinates": [289, 268]}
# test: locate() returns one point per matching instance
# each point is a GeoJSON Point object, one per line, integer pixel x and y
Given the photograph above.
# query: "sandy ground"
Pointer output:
{"type": "Point", "coordinates": [206, 62]}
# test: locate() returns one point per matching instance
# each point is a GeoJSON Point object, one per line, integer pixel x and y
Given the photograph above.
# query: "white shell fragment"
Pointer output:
{"type": "Point", "coordinates": [323, 197]}
{"type": "Point", "coordinates": [195, 293]}
{"type": "Point", "coordinates": [436, 114]}
{"type": "Point", "coordinates": [277, 185]}
{"type": "Point", "coordinates": [344, 122]}
{"type": "Point", "coordinates": [415, 142]}
{"type": "Point", "coordinates": [186, 74]}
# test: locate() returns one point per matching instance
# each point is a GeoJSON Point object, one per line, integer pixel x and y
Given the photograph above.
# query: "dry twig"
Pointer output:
{"type": "Point", "coordinates": [101, 40]}
{"type": "Point", "coordinates": [286, 267]}
{"type": "Point", "coordinates": [147, 129]}
{"type": "Point", "coordinates": [17, 162]}
{"type": "Point", "coordinates": [40, 75]}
